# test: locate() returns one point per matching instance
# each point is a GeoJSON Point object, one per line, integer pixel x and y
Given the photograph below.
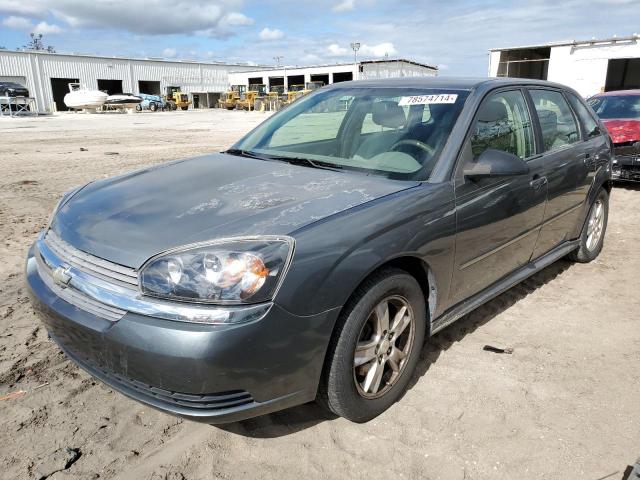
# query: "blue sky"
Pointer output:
{"type": "Point", "coordinates": [453, 34]}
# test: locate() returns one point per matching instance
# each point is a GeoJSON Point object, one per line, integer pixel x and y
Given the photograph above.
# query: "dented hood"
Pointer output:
{"type": "Point", "coordinates": [130, 218]}
{"type": "Point", "coordinates": [623, 130]}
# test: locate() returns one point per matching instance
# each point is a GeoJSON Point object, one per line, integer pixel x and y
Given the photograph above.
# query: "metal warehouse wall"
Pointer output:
{"type": "Point", "coordinates": [38, 68]}
{"type": "Point", "coordinates": [394, 70]}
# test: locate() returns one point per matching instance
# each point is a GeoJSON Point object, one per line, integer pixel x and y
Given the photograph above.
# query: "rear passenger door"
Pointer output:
{"type": "Point", "coordinates": [566, 167]}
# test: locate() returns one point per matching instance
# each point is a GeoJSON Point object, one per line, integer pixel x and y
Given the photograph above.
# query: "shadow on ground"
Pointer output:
{"type": "Point", "coordinates": [308, 415]}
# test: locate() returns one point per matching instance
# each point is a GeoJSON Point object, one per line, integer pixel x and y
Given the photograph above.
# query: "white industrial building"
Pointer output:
{"type": "Point", "coordinates": [589, 66]}
{"type": "Point", "coordinates": [332, 73]}
{"type": "Point", "coordinates": [47, 76]}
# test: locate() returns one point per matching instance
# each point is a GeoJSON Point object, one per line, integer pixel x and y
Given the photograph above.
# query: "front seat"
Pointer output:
{"type": "Point", "coordinates": [387, 114]}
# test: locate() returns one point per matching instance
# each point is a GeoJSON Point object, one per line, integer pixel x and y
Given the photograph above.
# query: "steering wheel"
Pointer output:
{"type": "Point", "coordinates": [414, 143]}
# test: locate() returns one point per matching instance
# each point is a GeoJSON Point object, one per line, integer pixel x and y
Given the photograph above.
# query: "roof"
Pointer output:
{"type": "Point", "coordinates": [565, 43]}
{"type": "Point", "coordinates": [454, 83]}
{"type": "Point", "coordinates": [618, 93]}
{"type": "Point", "coordinates": [147, 59]}
{"type": "Point", "coordinates": [342, 64]}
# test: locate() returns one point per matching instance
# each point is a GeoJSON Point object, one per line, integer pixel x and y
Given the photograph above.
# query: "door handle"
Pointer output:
{"type": "Point", "coordinates": [538, 182]}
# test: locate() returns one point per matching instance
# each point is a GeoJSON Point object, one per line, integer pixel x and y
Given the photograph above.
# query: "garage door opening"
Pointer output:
{"type": "Point", "coordinates": [59, 88]}
{"type": "Point", "coordinates": [111, 87]}
{"type": "Point", "coordinates": [525, 63]}
{"type": "Point", "coordinates": [276, 82]}
{"type": "Point", "coordinates": [324, 78]}
{"type": "Point", "coordinates": [342, 77]}
{"type": "Point", "coordinates": [295, 80]}
{"type": "Point", "coordinates": [623, 74]}
{"type": "Point", "coordinates": [149, 87]}
{"type": "Point", "coordinates": [256, 81]}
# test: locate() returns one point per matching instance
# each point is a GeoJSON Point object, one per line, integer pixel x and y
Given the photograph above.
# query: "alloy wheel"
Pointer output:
{"type": "Point", "coordinates": [595, 225]}
{"type": "Point", "coordinates": [383, 347]}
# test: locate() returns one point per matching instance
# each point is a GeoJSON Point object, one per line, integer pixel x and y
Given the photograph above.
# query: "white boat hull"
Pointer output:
{"type": "Point", "coordinates": [85, 99]}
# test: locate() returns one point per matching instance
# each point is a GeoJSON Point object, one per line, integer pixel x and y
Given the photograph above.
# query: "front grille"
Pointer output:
{"type": "Point", "coordinates": [76, 298]}
{"type": "Point", "coordinates": [109, 271]}
{"type": "Point", "coordinates": [211, 401]}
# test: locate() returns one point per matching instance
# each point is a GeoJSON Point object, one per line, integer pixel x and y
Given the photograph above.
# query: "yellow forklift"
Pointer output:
{"type": "Point", "coordinates": [230, 98]}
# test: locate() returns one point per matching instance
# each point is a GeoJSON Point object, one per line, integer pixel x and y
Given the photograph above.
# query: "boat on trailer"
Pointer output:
{"type": "Point", "coordinates": [82, 98]}
{"type": "Point", "coordinates": [122, 100]}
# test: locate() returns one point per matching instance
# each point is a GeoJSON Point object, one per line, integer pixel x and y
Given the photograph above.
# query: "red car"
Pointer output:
{"type": "Point", "coordinates": [620, 113]}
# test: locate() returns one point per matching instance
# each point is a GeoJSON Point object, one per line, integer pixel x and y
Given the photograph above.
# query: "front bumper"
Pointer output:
{"type": "Point", "coordinates": [626, 168]}
{"type": "Point", "coordinates": [209, 373]}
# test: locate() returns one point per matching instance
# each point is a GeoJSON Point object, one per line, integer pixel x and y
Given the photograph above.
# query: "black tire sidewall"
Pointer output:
{"type": "Point", "coordinates": [343, 397]}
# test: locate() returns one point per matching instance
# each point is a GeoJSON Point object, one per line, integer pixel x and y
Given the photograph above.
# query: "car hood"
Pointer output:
{"type": "Point", "coordinates": [623, 130]}
{"type": "Point", "coordinates": [130, 218]}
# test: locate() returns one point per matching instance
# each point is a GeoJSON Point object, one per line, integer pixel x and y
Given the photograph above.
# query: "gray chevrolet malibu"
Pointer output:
{"type": "Point", "coordinates": [311, 260]}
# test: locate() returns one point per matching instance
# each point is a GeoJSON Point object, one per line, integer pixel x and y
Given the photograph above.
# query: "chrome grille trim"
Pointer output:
{"type": "Point", "coordinates": [75, 298]}
{"type": "Point", "coordinates": [88, 263]}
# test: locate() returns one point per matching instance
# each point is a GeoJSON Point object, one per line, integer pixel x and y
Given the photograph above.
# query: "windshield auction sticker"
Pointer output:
{"type": "Point", "coordinates": [428, 99]}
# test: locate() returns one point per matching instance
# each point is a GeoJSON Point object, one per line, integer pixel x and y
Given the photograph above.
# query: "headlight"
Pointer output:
{"type": "Point", "coordinates": [236, 270]}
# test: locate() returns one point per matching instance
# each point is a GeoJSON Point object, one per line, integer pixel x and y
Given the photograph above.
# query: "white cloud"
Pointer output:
{"type": "Point", "coordinates": [160, 17]}
{"type": "Point", "coordinates": [237, 19]}
{"type": "Point", "coordinates": [335, 50]}
{"type": "Point", "coordinates": [344, 6]}
{"type": "Point", "coordinates": [19, 23]}
{"type": "Point", "coordinates": [169, 52]}
{"type": "Point", "coordinates": [22, 23]}
{"type": "Point", "coordinates": [46, 28]}
{"type": "Point", "coordinates": [271, 34]}
{"type": "Point", "coordinates": [379, 50]}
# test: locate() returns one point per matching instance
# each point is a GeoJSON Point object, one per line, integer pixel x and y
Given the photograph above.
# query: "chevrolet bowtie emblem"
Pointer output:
{"type": "Point", "coordinates": [61, 276]}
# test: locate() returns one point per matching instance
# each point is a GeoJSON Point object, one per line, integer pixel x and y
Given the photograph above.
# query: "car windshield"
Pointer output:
{"type": "Point", "coordinates": [394, 132]}
{"type": "Point", "coordinates": [617, 106]}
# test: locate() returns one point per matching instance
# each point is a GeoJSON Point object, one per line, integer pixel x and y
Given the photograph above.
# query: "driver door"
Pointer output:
{"type": "Point", "coordinates": [498, 218]}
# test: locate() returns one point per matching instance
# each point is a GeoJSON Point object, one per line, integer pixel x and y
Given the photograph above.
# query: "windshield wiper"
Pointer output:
{"type": "Point", "coordinates": [306, 162]}
{"type": "Point", "coordinates": [243, 153]}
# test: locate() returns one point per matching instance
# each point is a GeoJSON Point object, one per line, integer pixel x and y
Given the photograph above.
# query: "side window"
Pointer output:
{"type": "Point", "coordinates": [503, 123]}
{"type": "Point", "coordinates": [559, 127]}
{"type": "Point", "coordinates": [591, 127]}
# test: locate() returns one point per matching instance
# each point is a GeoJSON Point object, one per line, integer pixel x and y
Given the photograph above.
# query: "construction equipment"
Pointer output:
{"type": "Point", "coordinates": [247, 100]}
{"type": "Point", "coordinates": [230, 98]}
{"type": "Point", "coordinates": [176, 99]}
{"type": "Point", "coordinates": [272, 101]}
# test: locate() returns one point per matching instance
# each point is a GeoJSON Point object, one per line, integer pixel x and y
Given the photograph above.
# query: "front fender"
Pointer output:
{"type": "Point", "coordinates": [334, 255]}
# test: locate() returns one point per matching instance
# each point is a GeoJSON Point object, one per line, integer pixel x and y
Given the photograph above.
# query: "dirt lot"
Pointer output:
{"type": "Point", "coordinates": [564, 405]}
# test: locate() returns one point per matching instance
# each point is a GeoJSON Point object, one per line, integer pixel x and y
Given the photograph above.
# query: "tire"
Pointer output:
{"type": "Point", "coordinates": [343, 386]}
{"type": "Point", "coordinates": [590, 248]}
{"type": "Point", "coordinates": [138, 108]}
{"type": "Point", "coordinates": [153, 107]}
{"type": "Point", "coordinates": [184, 108]}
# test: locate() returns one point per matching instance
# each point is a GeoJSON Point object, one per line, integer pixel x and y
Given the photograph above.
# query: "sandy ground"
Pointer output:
{"type": "Point", "coordinates": [564, 405]}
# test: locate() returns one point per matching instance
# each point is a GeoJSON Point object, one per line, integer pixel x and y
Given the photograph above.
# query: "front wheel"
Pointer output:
{"type": "Point", "coordinates": [153, 107]}
{"type": "Point", "coordinates": [592, 236]}
{"type": "Point", "coordinates": [375, 348]}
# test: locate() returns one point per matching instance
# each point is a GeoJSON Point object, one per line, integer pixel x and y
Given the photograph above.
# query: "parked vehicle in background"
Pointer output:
{"type": "Point", "coordinates": [176, 99]}
{"type": "Point", "coordinates": [620, 113]}
{"type": "Point", "coordinates": [312, 258]}
{"type": "Point", "coordinates": [151, 102]}
{"type": "Point", "coordinates": [12, 89]}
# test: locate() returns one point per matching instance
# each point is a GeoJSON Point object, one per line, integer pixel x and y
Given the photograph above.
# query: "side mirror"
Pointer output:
{"type": "Point", "coordinates": [496, 163]}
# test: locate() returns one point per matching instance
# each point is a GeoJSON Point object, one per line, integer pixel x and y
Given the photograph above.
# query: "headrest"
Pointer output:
{"type": "Point", "coordinates": [548, 121]}
{"type": "Point", "coordinates": [388, 114]}
{"type": "Point", "coordinates": [493, 111]}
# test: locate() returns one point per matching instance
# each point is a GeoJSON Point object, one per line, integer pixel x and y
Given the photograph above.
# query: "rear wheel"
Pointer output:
{"type": "Point", "coordinates": [139, 107]}
{"type": "Point", "coordinates": [592, 236]}
{"type": "Point", "coordinates": [375, 347]}
{"type": "Point", "coordinates": [153, 107]}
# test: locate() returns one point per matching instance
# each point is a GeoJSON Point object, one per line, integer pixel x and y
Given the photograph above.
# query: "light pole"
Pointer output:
{"type": "Point", "coordinates": [355, 46]}
{"type": "Point", "coordinates": [278, 58]}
